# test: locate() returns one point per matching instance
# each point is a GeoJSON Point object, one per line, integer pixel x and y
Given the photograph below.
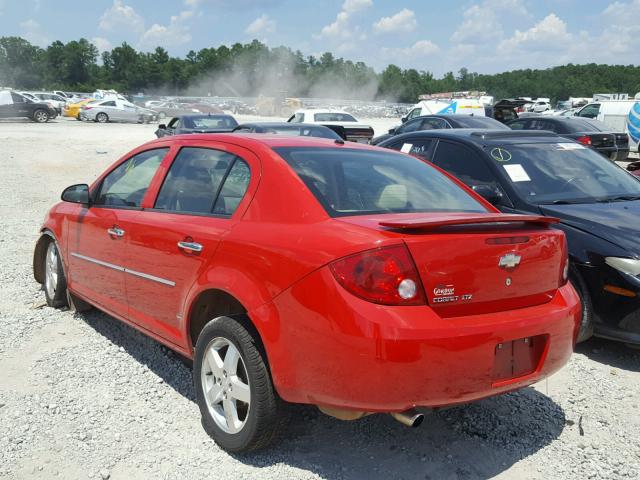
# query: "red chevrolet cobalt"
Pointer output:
{"type": "Point", "coordinates": [303, 270]}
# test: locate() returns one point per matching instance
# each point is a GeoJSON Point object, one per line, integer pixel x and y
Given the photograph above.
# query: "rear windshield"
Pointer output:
{"type": "Point", "coordinates": [333, 117]}
{"type": "Point", "coordinates": [481, 122]}
{"type": "Point", "coordinates": [562, 173]}
{"type": "Point", "coordinates": [296, 131]}
{"type": "Point", "coordinates": [212, 122]}
{"type": "Point", "coordinates": [362, 182]}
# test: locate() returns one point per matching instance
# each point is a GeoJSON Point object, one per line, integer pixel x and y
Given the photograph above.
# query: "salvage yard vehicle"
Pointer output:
{"type": "Point", "coordinates": [314, 271]}
{"type": "Point", "coordinates": [173, 109]}
{"type": "Point", "coordinates": [73, 109]}
{"type": "Point", "coordinates": [285, 128]}
{"type": "Point", "coordinates": [354, 130]}
{"type": "Point", "coordinates": [434, 122]}
{"type": "Point", "coordinates": [613, 145]}
{"type": "Point", "coordinates": [197, 123]}
{"type": "Point", "coordinates": [440, 106]}
{"type": "Point", "coordinates": [597, 202]}
{"type": "Point", "coordinates": [619, 115]}
{"type": "Point", "coordinates": [15, 105]}
{"type": "Point", "coordinates": [115, 110]}
{"type": "Point", "coordinates": [54, 99]}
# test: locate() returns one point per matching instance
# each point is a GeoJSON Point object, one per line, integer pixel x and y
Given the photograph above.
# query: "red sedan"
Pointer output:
{"type": "Point", "coordinates": [305, 270]}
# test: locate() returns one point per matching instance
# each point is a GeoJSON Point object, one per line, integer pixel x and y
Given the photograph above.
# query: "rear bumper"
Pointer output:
{"type": "Point", "coordinates": [334, 349]}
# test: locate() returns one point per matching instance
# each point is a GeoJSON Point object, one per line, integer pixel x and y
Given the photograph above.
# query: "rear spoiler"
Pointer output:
{"type": "Point", "coordinates": [465, 219]}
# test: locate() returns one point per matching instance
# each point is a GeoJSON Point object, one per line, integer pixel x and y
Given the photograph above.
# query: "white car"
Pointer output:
{"type": "Point", "coordinates": [343, 123]}
{"type": "Point", "coordinates": [540, 106]}
{"type": "Point", "coordinates": [58, 102]}
{"type": "Point", "coordinates": [115, 110]}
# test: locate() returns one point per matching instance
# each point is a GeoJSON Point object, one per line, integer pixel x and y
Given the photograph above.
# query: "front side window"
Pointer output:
{"type": "Point", "coordinates": [414, 113]}
{"type": "Point", "coordinates": [590, 111]}
{"type": "Point", "coordinates": [108, 104]}
{"type": "Point", "coordinates": [433, 124]}
{"type": "Point", "coordinates": [126, 185]}
{"type": "Point", "coordinates": [196, 177]}
{"type": "Point", "coordinates": [362, 182]}
{"type": "Point", "coordinates": [463, 163]}
{"type": "Point", "coordinates": [410, 126]}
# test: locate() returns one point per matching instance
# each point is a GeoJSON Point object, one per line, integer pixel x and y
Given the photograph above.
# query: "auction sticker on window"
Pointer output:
{"type": "Point", "coordinates": [517, 173]}
{"type": "Point", "coordinates": [406, 148]}
{"type": "Point", "coordinates": [569, 146]}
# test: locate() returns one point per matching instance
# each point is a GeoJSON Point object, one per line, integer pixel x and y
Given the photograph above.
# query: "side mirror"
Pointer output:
{"type": "Point", "coordinates": [162, 126]}
{"type": "Point", "coordinates": [404, 119]}
{"type": "Point", "coordinates": [76, 194]}
{"type": "Point", "coordinates": [392, 130]}
{"type": "Point", "coordinates": [490, 194]}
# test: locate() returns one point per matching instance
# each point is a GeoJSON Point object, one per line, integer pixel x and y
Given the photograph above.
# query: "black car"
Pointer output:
{"type": "Point", "coordinates": [197, 123]}
{"type": "Point", "coordinates": [435, 122]}
{"type": "Point", "coordinates": [293, 129]}
{"type": "Point", "coordinates": [15, 105]}
{"type": "Point", "coordinates": [506, 109]}
{"type": "Point", "coordinates": [597, 202]}
{"type": "Point", "coordinates": [591, 133]}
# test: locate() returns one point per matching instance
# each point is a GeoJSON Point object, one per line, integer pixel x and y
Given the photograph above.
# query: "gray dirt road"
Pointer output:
{"type": "Point", "coordinates": [83, 396]}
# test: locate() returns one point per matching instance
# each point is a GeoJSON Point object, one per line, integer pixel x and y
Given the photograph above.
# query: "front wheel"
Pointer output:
{"type": "Point", "coordinates": [55, 284]}
{"type": "Point", "coordinates": [40, 116]}
{"type": "Point", "coordinates": [586, 323]}
{"type": "Point", "coordinates": [161, 115]}
{"type": "Point", "coordinates": [239, 406]}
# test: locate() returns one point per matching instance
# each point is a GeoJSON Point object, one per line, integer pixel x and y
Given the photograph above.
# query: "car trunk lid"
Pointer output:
{"type": "Point", "coordinates": [482, 263]}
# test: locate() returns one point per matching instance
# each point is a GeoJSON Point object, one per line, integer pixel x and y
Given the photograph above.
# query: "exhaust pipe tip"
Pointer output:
{"type": "Point", "coordinates": [410, 418]}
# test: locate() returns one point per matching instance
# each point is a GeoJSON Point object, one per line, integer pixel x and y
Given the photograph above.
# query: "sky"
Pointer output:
{"type": "Point", "coordinates": [485, 36]}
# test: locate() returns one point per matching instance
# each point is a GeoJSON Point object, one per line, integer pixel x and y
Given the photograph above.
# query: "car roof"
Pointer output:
{"type": "Point", "coordinates": [321, 110]}
{"type": "Point", "coordinates": [200, 115]}
{"type": "Point", "coordinates": [265, 140]}
{"type": "Point", "coordinates": [453, 116]}
{"type": "Point", "coordinates": [281, 125]}
{"type": "Point", "coordinates": [486, 137]}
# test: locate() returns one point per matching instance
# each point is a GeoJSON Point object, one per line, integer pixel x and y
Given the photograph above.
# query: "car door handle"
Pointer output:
{"type": "Point", "coordinates": [190, 246]}
{"type": "Point", "coordinates": [115, 232]}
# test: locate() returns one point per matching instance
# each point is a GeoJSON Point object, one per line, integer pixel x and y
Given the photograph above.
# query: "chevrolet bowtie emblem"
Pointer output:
{"type": "Point", "coordinates": [510, 260]}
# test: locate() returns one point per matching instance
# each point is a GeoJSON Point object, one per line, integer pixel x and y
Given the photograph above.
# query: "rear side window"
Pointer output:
{"type": "Point", "coordinates": [108, 104]}
{"type": "Point", "coordinates": [195, 178]}
{"type": "Point", "coordinates": [233, 189]}
{"type": "Point", "coordinates": [126, 185]}
{"type": "Point", "coordinates": [360, 182]}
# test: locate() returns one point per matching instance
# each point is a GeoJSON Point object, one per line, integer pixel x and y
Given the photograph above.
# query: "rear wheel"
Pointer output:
{"type": "Point", "coordinates": [102, 117]}
{"type": "Point", "coordinates": [40, 116]}
{"type": "Point", "coordinates": [161, 115]}
{"type": "Point", "coordinates": [55, 284]}
{"type": "Point", "coordinates": [240, 408]}
{"type": "Point", "coordinates": [586, 324]}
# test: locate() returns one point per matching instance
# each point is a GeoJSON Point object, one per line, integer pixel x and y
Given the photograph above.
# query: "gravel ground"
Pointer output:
{"type": "Point", "coordinates": [84, 396]}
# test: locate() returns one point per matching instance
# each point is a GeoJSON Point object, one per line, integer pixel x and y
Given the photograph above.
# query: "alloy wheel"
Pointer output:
{"type": "Point", "coordinates": [41, 116]}
{"type": "Point", "coordinates": [51, 270]}
{"type": "Point", "coordinates": [225, 384]}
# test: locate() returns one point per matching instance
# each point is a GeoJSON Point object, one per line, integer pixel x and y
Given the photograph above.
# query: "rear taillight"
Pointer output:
{"type": "Point", "coordinates": [584, 139]}
{"type": "Point", "coordinates": [564, 262]}
{"type": "Point", "coordinates": [384, 275]}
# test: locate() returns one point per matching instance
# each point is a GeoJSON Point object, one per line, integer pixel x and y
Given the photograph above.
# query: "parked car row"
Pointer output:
{"type": "Point", "coordinates": [17, 105]}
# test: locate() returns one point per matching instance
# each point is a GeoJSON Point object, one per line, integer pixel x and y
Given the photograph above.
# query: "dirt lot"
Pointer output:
{"type": "Point", "coordinates": [83, 396]}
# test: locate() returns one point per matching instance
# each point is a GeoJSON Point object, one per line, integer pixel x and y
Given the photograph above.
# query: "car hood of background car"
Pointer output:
{"type": "Point", "coordinates": [616, 222]}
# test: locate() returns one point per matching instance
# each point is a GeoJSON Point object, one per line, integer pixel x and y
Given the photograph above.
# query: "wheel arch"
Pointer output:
{"type": "Point", "coordinates": [215, 302]}
{"type": "Point", "coordinates": [40, 251]}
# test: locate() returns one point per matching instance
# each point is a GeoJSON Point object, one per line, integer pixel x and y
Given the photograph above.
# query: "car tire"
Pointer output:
{"type": "Point", "coordinates": [40, 116]}
{"type": "Point", "coordinates": [102, 117]}
{"type": "Point", "coordinates": [55, 283]}
{"type": "Point", "coordinates": [227, 356]}
{"type": "Point", "coordinates": [586, 323]}
{"type": "Point", "coordinates": [162, 116]}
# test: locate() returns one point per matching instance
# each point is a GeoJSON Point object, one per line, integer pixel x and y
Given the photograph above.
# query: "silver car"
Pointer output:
{"type": "Point", "coordinates": [116, 111]}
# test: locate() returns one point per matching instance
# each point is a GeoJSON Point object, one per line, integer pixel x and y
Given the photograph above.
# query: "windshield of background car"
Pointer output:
{"type": "Point", "coordinates": [481, 122]}
{"type": "Point", "coordinates": [333, 117]}
{"type": "Point", "coordinates": [303, 132]}
{"type": "Point", "coordinates": [213, 122]}
{"type": "Point", "coordinates": [362, 182]}
{"type": "Point", "coordinates": [562, 172]}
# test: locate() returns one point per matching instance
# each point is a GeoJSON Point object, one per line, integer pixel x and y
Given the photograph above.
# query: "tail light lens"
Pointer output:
{"type": "Point", "coordinates": [386, 276]}
{"type": "Point", "coordinates": [564, 272]}
{"type": "Point", "coordinates": [585, 140]}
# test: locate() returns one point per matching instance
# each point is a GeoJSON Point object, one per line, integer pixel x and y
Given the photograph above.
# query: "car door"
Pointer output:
{"type": "Point", "coordinates": [176, 237]}
{"type": "Point", "coordinates": [97, 238]}
{"type": "Point", "coordinates": [421, 147]}
{"type": "Point", "coordinates": [20, 107]}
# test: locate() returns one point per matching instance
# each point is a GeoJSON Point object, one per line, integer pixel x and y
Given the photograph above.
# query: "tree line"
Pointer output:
{"type": "Point", "coordinates": [254, 68]}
